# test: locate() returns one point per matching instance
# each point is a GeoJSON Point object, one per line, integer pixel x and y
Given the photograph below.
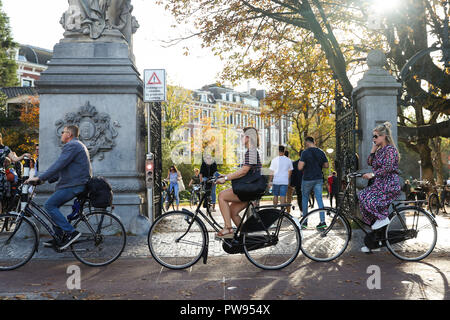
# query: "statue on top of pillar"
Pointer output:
{"type": "Point", "coordinates": [94, 18]}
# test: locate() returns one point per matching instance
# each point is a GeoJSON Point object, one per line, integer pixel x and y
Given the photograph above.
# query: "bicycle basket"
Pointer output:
{"type": "Point", "coordinates": [261, 220]}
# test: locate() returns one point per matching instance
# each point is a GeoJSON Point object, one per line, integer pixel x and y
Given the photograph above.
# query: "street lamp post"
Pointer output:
{"type": "Point", "coordinates": [420, 169]}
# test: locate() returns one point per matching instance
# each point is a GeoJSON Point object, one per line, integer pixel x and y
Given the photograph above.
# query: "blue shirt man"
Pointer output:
{"type": "Point", "coordinates": [72, 170]}
{"type": "Point", "coordinates": [311, 162]}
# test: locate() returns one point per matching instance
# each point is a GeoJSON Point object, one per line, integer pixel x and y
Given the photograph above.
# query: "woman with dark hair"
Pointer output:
{"type": "Point", "coordinates": [173, 177]}
{"type": "Point", "coordinates": [374, 201]}
{"type": "Point", "coordinates": [230, 203]}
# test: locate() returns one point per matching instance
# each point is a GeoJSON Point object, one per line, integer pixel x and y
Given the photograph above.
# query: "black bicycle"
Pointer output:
{"type": "Point", "coordinates": [411, 234]}
{"type": "Point", "coordinates": [102, 241]}
{"type": "Point", "coordinates": [195, 195]}
{"type": "Point", "coordinates": [269, 237]}
{"type": "Point", "coordinates": [168, 199]}
{"type": "Point", "coordinates": [438, 199]}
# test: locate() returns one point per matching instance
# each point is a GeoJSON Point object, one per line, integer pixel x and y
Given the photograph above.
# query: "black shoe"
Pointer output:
{"type": "Point", "coordinates": [51, 243]}
{"type": "Point", "coordinates": [69, 239]}
{"type": "Point", "coordinates": [321, 225]}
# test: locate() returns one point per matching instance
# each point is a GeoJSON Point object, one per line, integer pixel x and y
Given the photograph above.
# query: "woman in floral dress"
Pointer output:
{"type": "Point", "coordinates": [374, 201]}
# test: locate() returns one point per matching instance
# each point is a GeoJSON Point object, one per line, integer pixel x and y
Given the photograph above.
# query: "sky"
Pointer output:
{"type": "Point", "coordinates": [36, 23]}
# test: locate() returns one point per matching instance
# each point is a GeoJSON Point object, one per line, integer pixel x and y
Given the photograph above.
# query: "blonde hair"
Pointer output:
{"type": "Point", "coordinates": [385, 129]}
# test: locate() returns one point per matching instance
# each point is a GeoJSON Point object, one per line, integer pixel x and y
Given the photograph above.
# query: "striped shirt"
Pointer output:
{"type": "Point", "coordinates": [252, 159]}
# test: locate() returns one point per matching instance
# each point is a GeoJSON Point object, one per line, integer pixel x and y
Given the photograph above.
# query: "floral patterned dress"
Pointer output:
{"type": "Point", "coordinates": [374, 201]}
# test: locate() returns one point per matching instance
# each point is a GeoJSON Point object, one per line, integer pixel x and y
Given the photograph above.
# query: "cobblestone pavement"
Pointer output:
{"type": "Point", "coordinates": [137, 246]}
{"type": "Point", "coordinates": [232, 277]}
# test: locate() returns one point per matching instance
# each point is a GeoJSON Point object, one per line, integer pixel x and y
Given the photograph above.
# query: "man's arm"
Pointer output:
{"type": "Point", "coordinates": [68, 153]}
{"type": "Point", "coordinates": [301, 165]}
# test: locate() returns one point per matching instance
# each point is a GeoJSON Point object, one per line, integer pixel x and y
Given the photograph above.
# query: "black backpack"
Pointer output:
{"type": "Point", "coordinates": [100, 192]}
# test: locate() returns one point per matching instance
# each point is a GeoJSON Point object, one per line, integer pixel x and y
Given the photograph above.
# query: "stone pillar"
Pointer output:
{"type": "Point", "coordinates": [92, 82]}
{"type": "Point", "coordinates": [376, 98]}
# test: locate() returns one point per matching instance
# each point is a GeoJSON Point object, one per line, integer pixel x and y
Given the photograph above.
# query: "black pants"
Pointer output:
{"type": "Point", "coordinates": [331, 199]}
{"type": "Point", "coordinates": [298, 191]}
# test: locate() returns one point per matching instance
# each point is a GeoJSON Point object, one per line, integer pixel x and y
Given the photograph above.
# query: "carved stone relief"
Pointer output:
{"type": "Point", "coordinates": [96, 130]}
{"type": "Point", "coordinates": [95, 17]}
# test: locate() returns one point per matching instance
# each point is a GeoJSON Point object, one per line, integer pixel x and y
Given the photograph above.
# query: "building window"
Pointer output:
{"type": "Point", "coordinates": [231, 119]}
{"type": "Point", "coordinates": [27, 82]}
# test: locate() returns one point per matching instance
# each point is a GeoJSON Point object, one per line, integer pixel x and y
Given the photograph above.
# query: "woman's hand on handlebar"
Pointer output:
{"type": "Point", "coordinates": [368, 176]}
{"type": "Point", "coordinates": [33, 181]}
{"type": "Point", "coordinates": [221, 180]}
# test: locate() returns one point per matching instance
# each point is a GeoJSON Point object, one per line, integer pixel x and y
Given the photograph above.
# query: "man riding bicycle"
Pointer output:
{"type": "Point", "coordinates": [72, 170]}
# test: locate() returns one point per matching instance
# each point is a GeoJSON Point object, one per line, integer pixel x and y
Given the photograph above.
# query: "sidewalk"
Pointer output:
{"type": "Point", "coordinates": [137, 246]}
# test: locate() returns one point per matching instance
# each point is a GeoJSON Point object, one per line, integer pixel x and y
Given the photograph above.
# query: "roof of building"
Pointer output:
{"type": "Point", "coordinates": [34, 54]}
{"type": "Point", "coordinates": [12, 92]}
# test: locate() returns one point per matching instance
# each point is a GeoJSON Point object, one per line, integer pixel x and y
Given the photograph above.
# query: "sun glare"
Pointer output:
{"type": "Point", "coordinates": [381, 6]}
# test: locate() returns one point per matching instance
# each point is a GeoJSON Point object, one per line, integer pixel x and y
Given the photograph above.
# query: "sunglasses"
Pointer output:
{"type": "Point", "coordinates": [375, 136]}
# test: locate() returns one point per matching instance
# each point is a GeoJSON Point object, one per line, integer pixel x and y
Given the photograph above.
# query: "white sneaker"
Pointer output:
{"type": "Point", "coordinates": [380, 223]}
{"type": "Point", "coordinates": [367, 250]}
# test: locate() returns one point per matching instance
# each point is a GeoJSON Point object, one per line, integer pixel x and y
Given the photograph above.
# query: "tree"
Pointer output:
{"type": "Point", "coordinates": [339, 28]}
{"type": "Point", "coordinates": [8, 66]}
{"type": "Point", "coordinates": [22, 133]}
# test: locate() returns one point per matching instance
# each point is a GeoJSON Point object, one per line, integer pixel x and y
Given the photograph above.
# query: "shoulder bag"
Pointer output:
{"type": "Point", "coordinates": [250, 187]}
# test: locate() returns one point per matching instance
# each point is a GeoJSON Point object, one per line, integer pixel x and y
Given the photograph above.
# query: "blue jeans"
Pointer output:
{"type": "Point", "coordinates": [174, 187]}
{"type": "Point", "coordinates": [307, 187]}
{"type": "Point", "coordinates": [57, 200]}
{"type": "Point", "coordinates": [279, 190]}
{"type": "Point", "coordinates": [213, 189]}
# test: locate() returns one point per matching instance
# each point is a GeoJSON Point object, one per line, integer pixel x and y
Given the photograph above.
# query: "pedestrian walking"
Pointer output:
{"type": "Point", "coordinates": [175, 179]}
{"type": "Point", "coordinates": [312, 161]}
{"type": "Point", "coordinates": [281, 170]}
{"type": "Point", "coordinates": [295, 183]}
{"type": "Point", "coordinates": [333, 182]}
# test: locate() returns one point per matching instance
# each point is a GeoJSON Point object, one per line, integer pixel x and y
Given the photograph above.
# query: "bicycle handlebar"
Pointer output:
{"type": "Point", "coordinates": [354, 175]}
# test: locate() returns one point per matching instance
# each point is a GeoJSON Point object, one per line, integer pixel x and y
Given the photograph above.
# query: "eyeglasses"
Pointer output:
{"type": "Point", "coordinates": [375, 136]}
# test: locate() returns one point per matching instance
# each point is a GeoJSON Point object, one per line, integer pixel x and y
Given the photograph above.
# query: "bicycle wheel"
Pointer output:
{"type": "Point", "coordinates": [411, 235]}
{"type": "Point", "coordinates": [18, 241]}
{"type": "Point", "coordinates": [193, 200]}
{"type": "Point", "coordinates": [102, 241]}
{"type": "Point", "coordinates": [163, 201]}
{"type": "Point", "coordinates": [433, 204]}
{"type": "Point", "coordinates": [327, 242]}
{"type": "Point", "coordinates": [176, 240]}
{"type": "Point", "coordinates": [275, 248]}
{"type": "Point", "coordinates": [170, 203]}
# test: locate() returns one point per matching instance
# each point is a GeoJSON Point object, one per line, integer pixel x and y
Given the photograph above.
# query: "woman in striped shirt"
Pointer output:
{"type": "Point", "coordinates": [231, 204]}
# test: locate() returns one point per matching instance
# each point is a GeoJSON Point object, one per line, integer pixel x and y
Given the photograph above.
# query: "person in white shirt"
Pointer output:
{"type": "Point", "coordinates": [281, 168]}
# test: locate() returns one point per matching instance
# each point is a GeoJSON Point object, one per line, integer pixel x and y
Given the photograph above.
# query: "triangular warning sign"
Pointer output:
{"type": "Point", "coordinates": [154, 79]}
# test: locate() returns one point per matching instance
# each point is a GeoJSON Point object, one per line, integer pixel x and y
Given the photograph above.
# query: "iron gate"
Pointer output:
{"type": "Point", "coordinates": [346, 156]}
{"type": "Point", "coordinates": [156, 149]}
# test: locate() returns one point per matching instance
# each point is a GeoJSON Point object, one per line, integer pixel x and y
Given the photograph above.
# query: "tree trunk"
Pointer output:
{"type": "Point", "coordinates": [437, 159]}
{"type": "Point", "coordinates": [426, 160]}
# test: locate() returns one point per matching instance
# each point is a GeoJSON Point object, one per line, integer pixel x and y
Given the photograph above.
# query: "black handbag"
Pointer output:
{"type": "Point", "coordinates": [250, 187]}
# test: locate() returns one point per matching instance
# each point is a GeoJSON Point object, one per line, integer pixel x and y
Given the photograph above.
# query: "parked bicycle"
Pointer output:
{"type": "Point", "coordinates": [102, 241]}
{"type": "Point", "coordinates": [438, 199]}
{"type": "Point", "coordinates": [411, 234]}
{"type": "Point", "coordinates": [269, 237]}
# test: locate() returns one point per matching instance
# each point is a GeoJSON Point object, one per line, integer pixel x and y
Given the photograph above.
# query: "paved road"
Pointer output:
{"type": "Point", "coordinates": [234, 278]}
